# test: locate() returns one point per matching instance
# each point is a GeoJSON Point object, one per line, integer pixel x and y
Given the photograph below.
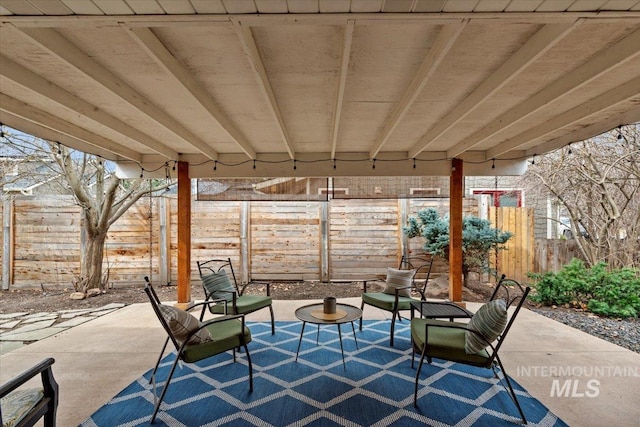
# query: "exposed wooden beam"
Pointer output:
{"type": "Point", "coordinates": [67, 51]}
{"type": "Point", "coordinates": [27, 79]}
{"type": "Point", "coordinates": [631, 116]}
{"type": "Point", "coordinates": [30, 113]}
{"type": "Point", "coordinates": [617, 95]}
{"type": "Point", "coordinates": [255, 60]}
{"type": "Point", "coordinates": [40, 131]}
{"type": "Point", "coordinates": [608, 59]}
{"type": "Point", "coordinates": [438, 51]}
{"type": "Point", "coordinates": [163, 57]}
{"type": "Point", "coordinates": [342, 83]}
{"type": "Point", "coordinates": [536, 46]}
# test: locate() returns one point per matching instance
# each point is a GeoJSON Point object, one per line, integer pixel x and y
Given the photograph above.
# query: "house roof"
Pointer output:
{"type": "Point", "coordinates": [275, 88]}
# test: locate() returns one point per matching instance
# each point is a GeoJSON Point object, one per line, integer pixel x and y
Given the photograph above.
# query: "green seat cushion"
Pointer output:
{"type": "Point", "coordinates": [218, 285]}
{"type": "Point", "coordinates": [225, 336]}
{"type": "Point", "coordinates": [245, 304]}
{"type": "Point", "coordinates": [17, 404]}
{"type": "Point", "coordinates": [386, 301]}
{"type": "Point", "coordinates": [490, 320]}
{"type": "Point", "coordinates": [445, 342]}
{"type": "Point", "coordinates": [399, 279]}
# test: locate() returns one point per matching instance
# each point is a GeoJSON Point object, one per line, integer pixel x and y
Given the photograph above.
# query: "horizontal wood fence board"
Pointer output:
{"type": "Point", "coordinates": [281, 241]}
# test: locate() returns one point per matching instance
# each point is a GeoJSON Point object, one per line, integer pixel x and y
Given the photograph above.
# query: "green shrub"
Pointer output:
{"type": "Point", "coordinates": [613, 293]}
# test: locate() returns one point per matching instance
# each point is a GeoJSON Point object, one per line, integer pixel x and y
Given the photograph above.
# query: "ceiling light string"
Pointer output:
{"type": "Point", "coordinates": [1, 130]}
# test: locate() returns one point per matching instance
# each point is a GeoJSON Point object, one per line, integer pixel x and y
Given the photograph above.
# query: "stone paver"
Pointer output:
{"type": "Point", "coordinates": [20, 329]}
{"type": "Point", "coordinates": [10, 325]}
{"type": "Point", "coordinates": [33, 335]}
{"type": "Point", "coordinates": [74, 322]}
{"type": "Point", "coordinates": [12, 315]}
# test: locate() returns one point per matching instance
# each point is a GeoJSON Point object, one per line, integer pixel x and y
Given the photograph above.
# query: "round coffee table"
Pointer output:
{"type": "Point", "coordinates": [306, 315]}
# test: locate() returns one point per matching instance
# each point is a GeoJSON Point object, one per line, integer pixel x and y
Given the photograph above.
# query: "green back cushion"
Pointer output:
{"type": "Point", "coordinates": [399, 279]}
{"type": "Point", "coordinates": [490, 321]}
{"type": "Point", "coordinates": [182, 324]}
{"type": "Point", "coordinates": [218, 285]}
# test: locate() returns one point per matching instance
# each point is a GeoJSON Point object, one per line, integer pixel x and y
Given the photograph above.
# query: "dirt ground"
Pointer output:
{"type": "Point", "coordinates": [38, 300]}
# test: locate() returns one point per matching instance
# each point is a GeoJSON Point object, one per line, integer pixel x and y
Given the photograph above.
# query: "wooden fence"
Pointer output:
{"type": "Point", "coordinates": [336, 240]}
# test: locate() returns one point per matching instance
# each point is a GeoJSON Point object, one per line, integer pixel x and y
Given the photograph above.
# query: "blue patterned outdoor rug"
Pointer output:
{"type": "Point", "coordinates": [375, 389]}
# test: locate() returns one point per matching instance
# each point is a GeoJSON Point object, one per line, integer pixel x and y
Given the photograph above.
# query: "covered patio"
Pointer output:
{"type": "Point", "coordinates": [318, 88]}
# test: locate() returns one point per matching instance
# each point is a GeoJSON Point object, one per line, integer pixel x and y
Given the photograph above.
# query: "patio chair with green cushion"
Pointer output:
{"type": "Point", "coordinates": [25, 406]}
{"type": "Point", "coordinates": [411, 276]}
{"type": "Point", "coordinates": [219, 285]}
{"type": "Point", "coordinates": [475, 343]}
{"type": "Point", "coordinates": [195, 340]}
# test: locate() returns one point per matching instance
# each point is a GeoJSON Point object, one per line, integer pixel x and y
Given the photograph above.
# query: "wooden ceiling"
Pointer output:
{"type": "Point", "coordinates": [275, 88]}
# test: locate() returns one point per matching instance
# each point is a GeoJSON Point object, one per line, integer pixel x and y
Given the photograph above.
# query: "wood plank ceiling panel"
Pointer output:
{"type": "Point", "coordinates": [82, 7]}
{"type": "Point", "coordinates": [146, 7]}
{"type": "Point", "coordinates": [334, 6]}
{"type": "Point", "coordinates": [586, 5]}
{"type": "Point", "coordinates": [620, 4]}
{"type": "Point", "coordinates": [460, 6]}
{"type": "Point", "coordinates": [20, 7]}
{"type": "Point", "coordinates": [114, 7]}
{"type": "Point", "coordinates": [303, 6]}
{"type": "Point", "coordinates": [429, 6]}
{"type": "Point", "coordinates": [272, 6]}
{"type": "Point", "coordinates": [208, 6]}
{"type": "Point", "coordinates": [240, 6]}
{"type": "Point", "coordinates": [366, 6]}
{"type": "Point", "coordinates": [491, 5]}
{"type": "Point", "coordinates": [177, 7]}
{"type": "Point", "coordinates": [398, 6]}
{"type": "Point", "coordinates": [51, 7]}
{"type": "Point", "coordinates": [526, 5]}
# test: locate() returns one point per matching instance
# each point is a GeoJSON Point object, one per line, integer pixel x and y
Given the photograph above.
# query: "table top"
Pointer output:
{"type": "Point", "coordinates": [435, 310]}
{"type": "Point", "coordinates": [304, 313]}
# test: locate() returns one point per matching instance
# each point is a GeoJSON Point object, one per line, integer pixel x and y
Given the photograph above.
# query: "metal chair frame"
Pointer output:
{"type": "Point", "coordinates": [180, 347]}
{"type": "Point", "coordinates": [493, 361]}
{"type": "Point", "coordinates": [214, 266]}
{"type": "Point", "coordinates": [424, 264]}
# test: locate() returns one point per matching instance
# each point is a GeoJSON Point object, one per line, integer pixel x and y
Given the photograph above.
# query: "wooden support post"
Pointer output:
{"type": "Point", "coordinates": [456, 181]}
{"type": "Point", "coordinates": [184, 235]}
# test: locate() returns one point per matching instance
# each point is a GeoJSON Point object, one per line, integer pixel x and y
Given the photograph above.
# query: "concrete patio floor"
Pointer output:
{"type": "Point", "coordinates": [584, 380]}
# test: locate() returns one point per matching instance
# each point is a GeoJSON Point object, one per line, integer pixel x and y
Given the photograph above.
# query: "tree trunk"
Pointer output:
{"type": "Point", "coordinates": [91, 275]}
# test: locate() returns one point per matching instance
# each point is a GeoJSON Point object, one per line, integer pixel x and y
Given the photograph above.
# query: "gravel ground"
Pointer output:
{"type": "Point", "coordinates": [623, 332]}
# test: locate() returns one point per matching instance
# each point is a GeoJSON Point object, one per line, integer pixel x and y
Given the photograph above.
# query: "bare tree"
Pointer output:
{"type": "Point", "coordinates": [597, 183]}
{"type": "Point", "coordinates": [102, 196]}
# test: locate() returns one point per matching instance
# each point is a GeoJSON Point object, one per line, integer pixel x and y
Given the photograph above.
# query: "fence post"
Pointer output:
{"type": "Point", "coordinates": [7, 246]}
{"type": "Point", "coordinates": [165, 261]}
{"type": "Point", "coordinates": [324, 242]}
{"type": "Point", "coordinates": [404, 240]}
{"type": "Point", "coordinates": [245, 209]}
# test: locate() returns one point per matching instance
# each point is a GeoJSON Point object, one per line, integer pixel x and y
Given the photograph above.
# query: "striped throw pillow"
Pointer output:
{"type": "Point", "coordinates": [490, 320]}
{"type": "Point", "coordinates": [218, 285]}
{"type": "Point", "coordinates": [182, 324]}
{"type": "Point", "coordinates": [399, 279]}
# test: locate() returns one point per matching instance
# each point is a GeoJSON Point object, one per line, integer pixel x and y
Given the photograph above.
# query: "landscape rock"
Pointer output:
{"type": "Point", "coordinates": [77, 296]}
